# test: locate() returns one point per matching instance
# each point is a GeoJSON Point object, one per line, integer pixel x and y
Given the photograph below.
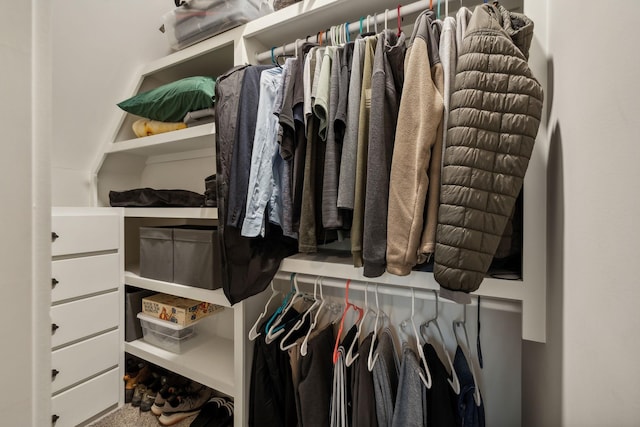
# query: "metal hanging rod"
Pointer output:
{"type": "Point", "coordinates": [398, 290]}
{"type": "Point", "coordinates": [353, 27]}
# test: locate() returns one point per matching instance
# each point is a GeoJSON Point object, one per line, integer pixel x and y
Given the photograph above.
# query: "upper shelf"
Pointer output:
{"type": "Point", "coordinates": [189, 139]}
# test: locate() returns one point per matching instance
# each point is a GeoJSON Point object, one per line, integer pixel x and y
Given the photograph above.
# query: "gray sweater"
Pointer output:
{"type": "Point", "coordinates": [385, 101]}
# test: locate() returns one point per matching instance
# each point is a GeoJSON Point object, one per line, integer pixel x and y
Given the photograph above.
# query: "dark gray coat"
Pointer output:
{"type": "Point", "coordinates": [493, 122]}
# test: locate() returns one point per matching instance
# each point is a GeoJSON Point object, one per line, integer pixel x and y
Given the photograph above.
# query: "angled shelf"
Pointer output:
{"type": "Point", "coordinates": [189, 139]}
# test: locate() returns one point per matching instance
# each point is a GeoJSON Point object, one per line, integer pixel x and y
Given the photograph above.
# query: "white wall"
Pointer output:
{"type": "Point", "coordinates": [97, 48]}
{"type": "Point", "coordinates": [24, 251]}
{"type": "Point", "coordinates": [587, 373]}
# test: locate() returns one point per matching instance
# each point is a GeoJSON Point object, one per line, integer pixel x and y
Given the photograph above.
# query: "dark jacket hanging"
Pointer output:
{"type": "Point", "coordinates": [248, 265]}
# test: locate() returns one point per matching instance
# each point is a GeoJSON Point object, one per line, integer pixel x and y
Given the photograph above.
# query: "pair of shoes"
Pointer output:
{"type": "Point", "coordinates": [150, 392]}
{"type": "Point", "coordinates": [170, 386]}
{"type": "Point", "coordinates": [133, 378]}
{"type": "Point", "coordinates": [185, 404]}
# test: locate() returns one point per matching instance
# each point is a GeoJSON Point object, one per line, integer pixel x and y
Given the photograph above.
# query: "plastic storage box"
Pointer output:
{"type": "Point", "coordinates": [200, 19]}
{"type": "Point", "coordinates": [164, 334]}
{"type": "Point", "coordinates": [156, 253]}
{"type": "Point", "coordinates": [196, 257]}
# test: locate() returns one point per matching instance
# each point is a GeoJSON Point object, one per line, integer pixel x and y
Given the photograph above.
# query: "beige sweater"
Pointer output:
{"type": "Point", "coordinates": [415, 168]}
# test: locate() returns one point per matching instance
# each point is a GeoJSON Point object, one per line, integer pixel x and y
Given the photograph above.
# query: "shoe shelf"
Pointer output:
{"type": "Point", "coordinates": [206, 358]}
{"type": "Point", "coordinates": [211, 296]}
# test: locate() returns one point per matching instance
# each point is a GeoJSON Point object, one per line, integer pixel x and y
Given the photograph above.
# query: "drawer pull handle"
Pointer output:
{"type": "Point", "coordinates": [54, 418]}
{"type": "Point", "coordinates": [54, 236]}
{"type": "Point", "coordinates": [54, 282]}
{"type": "Point", "coordinates": [54, 374]}
{"type": "Point", "coordinates": [54, 328]}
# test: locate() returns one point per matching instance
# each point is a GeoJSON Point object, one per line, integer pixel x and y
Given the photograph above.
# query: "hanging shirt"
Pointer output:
{"type": "Point", "coordinates": [385, 378]}
{"type": "Point", "coordinates": [316, 373]}
{"type": "Point", "coordinates": [361, 153]}
{"type": "Point", "coordinates": [449, 59]}
{"type": "Point", "coordinates": [470, 414]}
{"type": "Point", "coordinates": [331, 217]}
{"type": "Point", "coordinates": [386, 90]}
{"type": "Point", "coordinates": [262, 182]}
{"type": "Point", "coordinates": [441, 399]}
{"type": "Point", "coordinates": [411, 401]}
{"type": "Point", "coordinates": [321, 102]}
{"type": "Point", "coordinates": [347, 180]}
{"type": "Point", "coordinates": [463, 16]}
{"type": "Point", "coordinates": [415, 167]}
{"type": "Point", "coordinates": [243, 147]}
{"type": "Point", "coordinates": [364, 399]}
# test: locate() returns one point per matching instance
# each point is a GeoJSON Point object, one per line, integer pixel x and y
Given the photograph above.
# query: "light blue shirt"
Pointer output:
{"type": "Point", "coordinates": [262, 182]}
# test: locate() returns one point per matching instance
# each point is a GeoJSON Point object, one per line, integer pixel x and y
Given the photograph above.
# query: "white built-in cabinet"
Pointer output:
{"type": "Point", "coordinates": [220, 356]}
{"type": "Point", "coordinates": [86, 313]}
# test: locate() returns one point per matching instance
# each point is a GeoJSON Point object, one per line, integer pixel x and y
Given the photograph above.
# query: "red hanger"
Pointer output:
{"type": "Point", "coordinates": [344, 313]}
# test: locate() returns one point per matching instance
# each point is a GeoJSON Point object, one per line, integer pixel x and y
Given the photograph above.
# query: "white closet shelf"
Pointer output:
{"type": "Point", "coordinates": [294, 21]}
{"type": "Point", "coordinates": [205, 358]}
{"type": "Point", "coordinates": [178, 141]}
{"type": "Point", "coordinates": [190, 213]}
{"type": "Point", "coordinates": [207, 295]}
{"type": "Point", "coordinates": [339, 266]}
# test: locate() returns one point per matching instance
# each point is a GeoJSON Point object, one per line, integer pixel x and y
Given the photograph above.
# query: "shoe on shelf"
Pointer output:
{"type": "Point", "coordinates": [133, 378]}
{"type": "Point", "coordinates": [138, 394]}
{"type": "Point", "coordinates": [184, 406]}
{"type": "Point", "coordinates": [152, 391]}
{"type": "Point", "coordinates": [171, 387]}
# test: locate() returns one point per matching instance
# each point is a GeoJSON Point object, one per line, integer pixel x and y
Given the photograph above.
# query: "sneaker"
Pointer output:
{"type": "Point", "coordinates": [185, 406]}
{"type": "Point", "coordinates": [138, 394]}
{"type": "Point", "coordinates": [171, 386]}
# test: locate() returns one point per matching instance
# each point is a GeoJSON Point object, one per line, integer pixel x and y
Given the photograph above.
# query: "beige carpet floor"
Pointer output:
{"type": "Point", "coordinates": [129, 416]}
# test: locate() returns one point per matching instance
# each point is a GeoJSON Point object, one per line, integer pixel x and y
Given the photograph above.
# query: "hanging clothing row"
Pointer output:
{"type": "Point", "coordinates": [386, 144]}
{"type": "Point", "coordinates": [310, 373]}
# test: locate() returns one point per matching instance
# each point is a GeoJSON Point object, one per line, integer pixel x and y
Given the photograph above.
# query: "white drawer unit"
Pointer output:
{"type": "Point", "coordinates": [76, 277]}
{"type": "Point", "coordinates": [83, 318]}
{"type": "Point", "coordinates": [75, 234]}
{"type": "Point", "coordinates": [86, 313]}
{"type": "Point", "coordinates": [75, 363]}
{"type": "Point", "coordinates": [78, 404]}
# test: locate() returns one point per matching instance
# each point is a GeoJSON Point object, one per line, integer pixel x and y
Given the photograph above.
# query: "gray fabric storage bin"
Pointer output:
{"type": "Point", "coordinates": [156, 253]}
{"type": "Point", "coordinates": [196, 257]}
{"type": "Point", "coordinates": [133, 306]}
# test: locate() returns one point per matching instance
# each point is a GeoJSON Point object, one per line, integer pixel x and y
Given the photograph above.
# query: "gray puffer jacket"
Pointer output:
{"type": "Point", "coordinates": [494, 116]}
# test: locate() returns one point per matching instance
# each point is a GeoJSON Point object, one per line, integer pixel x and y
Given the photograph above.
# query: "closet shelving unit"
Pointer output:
{"type": "Point", "coordinates": [182, 159]}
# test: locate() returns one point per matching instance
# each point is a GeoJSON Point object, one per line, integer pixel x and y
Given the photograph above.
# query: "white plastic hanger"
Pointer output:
{"type": "Point", "coordinates": [253, 333]}
{"type": "Point", "coordinates": [274, 330]}
{"type": "Point", "coordinates": [466, 350]}
{"type": "Point", "coordinates": [350, 358]}
{"type": "Point", "coordinates": [371, 360]}
{"type": "Point", "coordinates": [316, 303]}
{"type": "Point", "coordinates": [455, 383]}
{"type": "Point", "coordinates": [386, 11]}
{"type": "Point", "coordinates": [303, 346]}
{"type": "Point", "coordinates": [426, 381]}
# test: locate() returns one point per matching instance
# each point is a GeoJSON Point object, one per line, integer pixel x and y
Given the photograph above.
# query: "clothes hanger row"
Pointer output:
{"type": "Point", "coordinates": [344, 30]}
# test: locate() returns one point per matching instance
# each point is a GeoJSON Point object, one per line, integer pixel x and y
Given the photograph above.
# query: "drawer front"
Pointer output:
{"type": "Point", "coordinates": [78, 319]}
{"type": "Point", "coordinates": [76, 277]}
{"type": "Point", "coordinates": [82, 402]}
{"type": "Point", "coordinates": [79, 361]}
{"type": "Point", "coordinates": [79, 234]}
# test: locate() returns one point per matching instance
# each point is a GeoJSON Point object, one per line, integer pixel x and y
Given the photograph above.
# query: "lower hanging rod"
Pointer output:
{"type": "Point", "coordinates": [489, 303]}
